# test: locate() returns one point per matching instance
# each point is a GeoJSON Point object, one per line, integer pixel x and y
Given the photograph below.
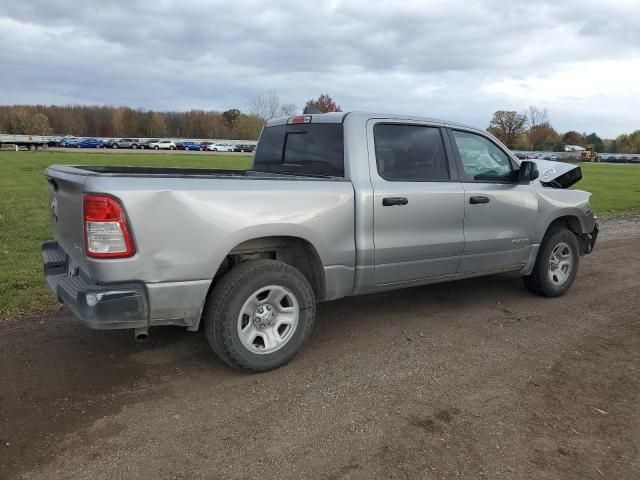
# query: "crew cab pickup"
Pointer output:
{"type": "Point", "coordinates": [334, 204]}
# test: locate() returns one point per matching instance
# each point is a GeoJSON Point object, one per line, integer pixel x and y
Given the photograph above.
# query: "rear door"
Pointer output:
{"type": "Point", "coordinates": [499, 213]}
{"type": "Point", "coordinates": [418, 202]}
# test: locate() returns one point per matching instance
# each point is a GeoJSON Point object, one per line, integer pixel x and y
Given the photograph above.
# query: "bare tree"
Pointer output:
{"type": "Point", "coordinates": [288, 109]}
{"type": "Point", "coordinates": [265, 106]}
{"type": "Point", "coordinates": [536, 120]}
{"type": "Point", "coordinates": [536, 117]}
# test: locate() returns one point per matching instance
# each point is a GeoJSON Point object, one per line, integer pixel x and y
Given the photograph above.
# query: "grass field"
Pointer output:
{"type": "Point", "coordinates": [615, 188]}
{"type": "Point", "coordinates": [24, 220]}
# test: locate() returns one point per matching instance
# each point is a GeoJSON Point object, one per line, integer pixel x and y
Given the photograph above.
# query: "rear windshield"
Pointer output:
{"type": "Point", "coordinates": [305, 149]}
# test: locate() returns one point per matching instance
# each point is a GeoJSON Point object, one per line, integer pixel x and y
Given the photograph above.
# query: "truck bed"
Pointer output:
{"type": "Point", "coordinates": [179, 172]}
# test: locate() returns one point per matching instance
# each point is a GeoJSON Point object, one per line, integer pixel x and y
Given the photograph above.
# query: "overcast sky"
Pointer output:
{"type": "Point", "coordinates": [455, 60]}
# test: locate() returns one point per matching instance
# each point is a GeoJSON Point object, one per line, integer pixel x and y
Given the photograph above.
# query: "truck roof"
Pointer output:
{"type": "Point", "coordinates": [338, 117]}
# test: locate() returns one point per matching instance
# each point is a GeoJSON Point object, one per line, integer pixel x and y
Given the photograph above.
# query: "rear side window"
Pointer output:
{"type": "Point", "coordinates": [308, 149]}
{"type": "Point", "coordinates": [410, 153]}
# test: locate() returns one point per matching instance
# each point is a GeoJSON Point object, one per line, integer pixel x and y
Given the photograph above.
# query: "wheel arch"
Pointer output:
{"type": "Point", "coordinates": [571, 222]}
{"type": "Point", "coordinates": [574, 224]}
{"type": "Point", "coordinates": [295, 251]}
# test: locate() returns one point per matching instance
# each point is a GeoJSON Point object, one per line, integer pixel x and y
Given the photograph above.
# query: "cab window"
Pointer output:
{"type": "Point", "coordinates": [481, 159]}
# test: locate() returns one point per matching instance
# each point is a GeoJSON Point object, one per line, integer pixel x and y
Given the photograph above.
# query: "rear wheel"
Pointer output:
{"type": "Point", "coordinates": [172, 147]}
{"type": "Point", "coordinates": [259, 315]}
{"type": "Point", "coordinates": [134, 146]}
{"type": "Point", "coordinates": [556, 266]}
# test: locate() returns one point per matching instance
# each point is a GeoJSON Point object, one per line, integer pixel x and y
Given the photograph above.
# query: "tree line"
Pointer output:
{"type": "Point", "coordinates": [109, 121]}
{"type": "Point", "coordinates": [532, 130]}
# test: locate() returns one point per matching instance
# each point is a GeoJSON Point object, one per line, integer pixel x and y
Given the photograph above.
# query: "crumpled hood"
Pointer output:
{"type": "Point", "coordinates": [558, 174]}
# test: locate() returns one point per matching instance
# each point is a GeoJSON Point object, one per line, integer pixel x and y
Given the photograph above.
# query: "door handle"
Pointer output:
{"type": "Point", "coordinates": [389, 201]}
{"type": "Point", "coordinates": [474, 200]}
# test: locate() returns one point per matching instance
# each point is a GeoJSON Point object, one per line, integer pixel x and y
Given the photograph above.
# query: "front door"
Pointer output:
{"type": "Point", "coordinates": [499, 213]}
{"type": "Point", "coordinates": [418, 202]}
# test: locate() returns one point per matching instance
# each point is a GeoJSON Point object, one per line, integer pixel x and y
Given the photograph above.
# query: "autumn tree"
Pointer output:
{"type": "Point", "coordinates": [507, 126]}
{"type": "Point", "coordinates": [324, 103]}
{"type": "Point", "coordinates": [39, 125]}
{"type": "Point", "coordinates": [627, 143]}
{"type": "Point", "coordinates": [544, 137]}
{"type": "Point", "coordinates": [231, 117]}
{"type": "Point", "coordinates": [19, 120]}
{"type": "Point", "coordinates": [247, 127]}
{"type": "Point", "coordinates": [573, 138]}
{"type": "Point", "coordinates": [117, 119]}
{"type": "Point", "coordinates": [157, 125]}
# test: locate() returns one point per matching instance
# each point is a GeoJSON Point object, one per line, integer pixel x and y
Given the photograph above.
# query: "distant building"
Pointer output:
{"type": "Point", "coordinates": [574, 148]}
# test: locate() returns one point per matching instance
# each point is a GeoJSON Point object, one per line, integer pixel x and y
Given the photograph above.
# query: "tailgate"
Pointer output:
{"type": "Point", "coordinates": [65, 186]}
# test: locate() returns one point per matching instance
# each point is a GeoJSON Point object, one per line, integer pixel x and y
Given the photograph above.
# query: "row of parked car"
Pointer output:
{"type": "Point", "coordinates": [619, 158]}
{"type": "Point", "coordinates": [153, 144]}
{"type": "Point", "coordinates": [602, 157]}
{"type": "Point", "coordinates": [537, 155]}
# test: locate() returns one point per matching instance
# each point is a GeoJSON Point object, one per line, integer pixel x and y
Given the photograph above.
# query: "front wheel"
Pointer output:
{"type": "Point", "coordinates": [259, 315]}
{"type": "Point", "coordinates": [156, 147]}
{"type": "Point", "coordinates": [556, 266]}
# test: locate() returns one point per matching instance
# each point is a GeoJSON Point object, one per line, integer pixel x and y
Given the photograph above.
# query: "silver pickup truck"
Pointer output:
{"type": "Point", "coordinates": [334, 205]}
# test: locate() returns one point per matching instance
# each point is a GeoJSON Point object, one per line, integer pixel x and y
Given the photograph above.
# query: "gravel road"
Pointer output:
{"type": "Point", "coordinates": [477, 379]}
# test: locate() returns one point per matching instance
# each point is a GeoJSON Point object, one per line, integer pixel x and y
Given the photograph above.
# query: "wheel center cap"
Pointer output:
{"type": "Point", "coordinates": [264, 316]}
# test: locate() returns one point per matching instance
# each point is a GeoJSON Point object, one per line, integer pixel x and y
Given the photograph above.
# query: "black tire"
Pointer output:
{"type": "Point", "coordinates": [225, 302]}
{"type": "Point", "coordinates": [172, 147]}
{"type": "Point", "coordinates": [156, 147]}
{"type": "Point", "coordinates": [134, 146]}
{"type": "Point", "coordinates": [539, 282]}
{"type": "Point", "coordinates": [115, 145]}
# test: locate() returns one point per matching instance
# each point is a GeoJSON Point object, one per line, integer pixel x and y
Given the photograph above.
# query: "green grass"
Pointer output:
{"type": "Point", "coordinates": [24, 220]}
{"type": "Point", "coordinates": [615, 188]}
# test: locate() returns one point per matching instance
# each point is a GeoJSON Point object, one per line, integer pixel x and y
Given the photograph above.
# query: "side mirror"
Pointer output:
{"type": "Point", "coordinates": [528, 172]}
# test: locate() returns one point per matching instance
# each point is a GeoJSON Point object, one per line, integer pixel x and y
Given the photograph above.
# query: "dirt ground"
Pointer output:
{"type": "Point", "coordinates": [477, 379]}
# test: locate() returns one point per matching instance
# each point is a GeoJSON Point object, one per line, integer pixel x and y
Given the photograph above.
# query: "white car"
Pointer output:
{"type": "Point", "coordinates": [163, 145]}
{"type": "Point", "coordinates": [220, 147]}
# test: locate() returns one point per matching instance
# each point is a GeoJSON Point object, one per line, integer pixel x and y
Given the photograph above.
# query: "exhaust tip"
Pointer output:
{"type": "Point", "coordinates": [141, 335]}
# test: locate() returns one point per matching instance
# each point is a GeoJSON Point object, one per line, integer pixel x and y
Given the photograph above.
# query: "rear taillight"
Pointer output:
{"type": "Point", "coordinates": [106, 232]}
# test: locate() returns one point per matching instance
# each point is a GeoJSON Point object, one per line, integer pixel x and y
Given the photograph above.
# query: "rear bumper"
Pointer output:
{"type": "Point", "coordinates": [103, 307]}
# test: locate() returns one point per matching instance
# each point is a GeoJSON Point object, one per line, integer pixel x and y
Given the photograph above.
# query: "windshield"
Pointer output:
{"type": "Point", "coordinates": [303, 149]}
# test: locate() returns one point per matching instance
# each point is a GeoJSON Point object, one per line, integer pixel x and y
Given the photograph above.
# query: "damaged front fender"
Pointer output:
{"type": "Point", "coordinates": [558, 174]}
